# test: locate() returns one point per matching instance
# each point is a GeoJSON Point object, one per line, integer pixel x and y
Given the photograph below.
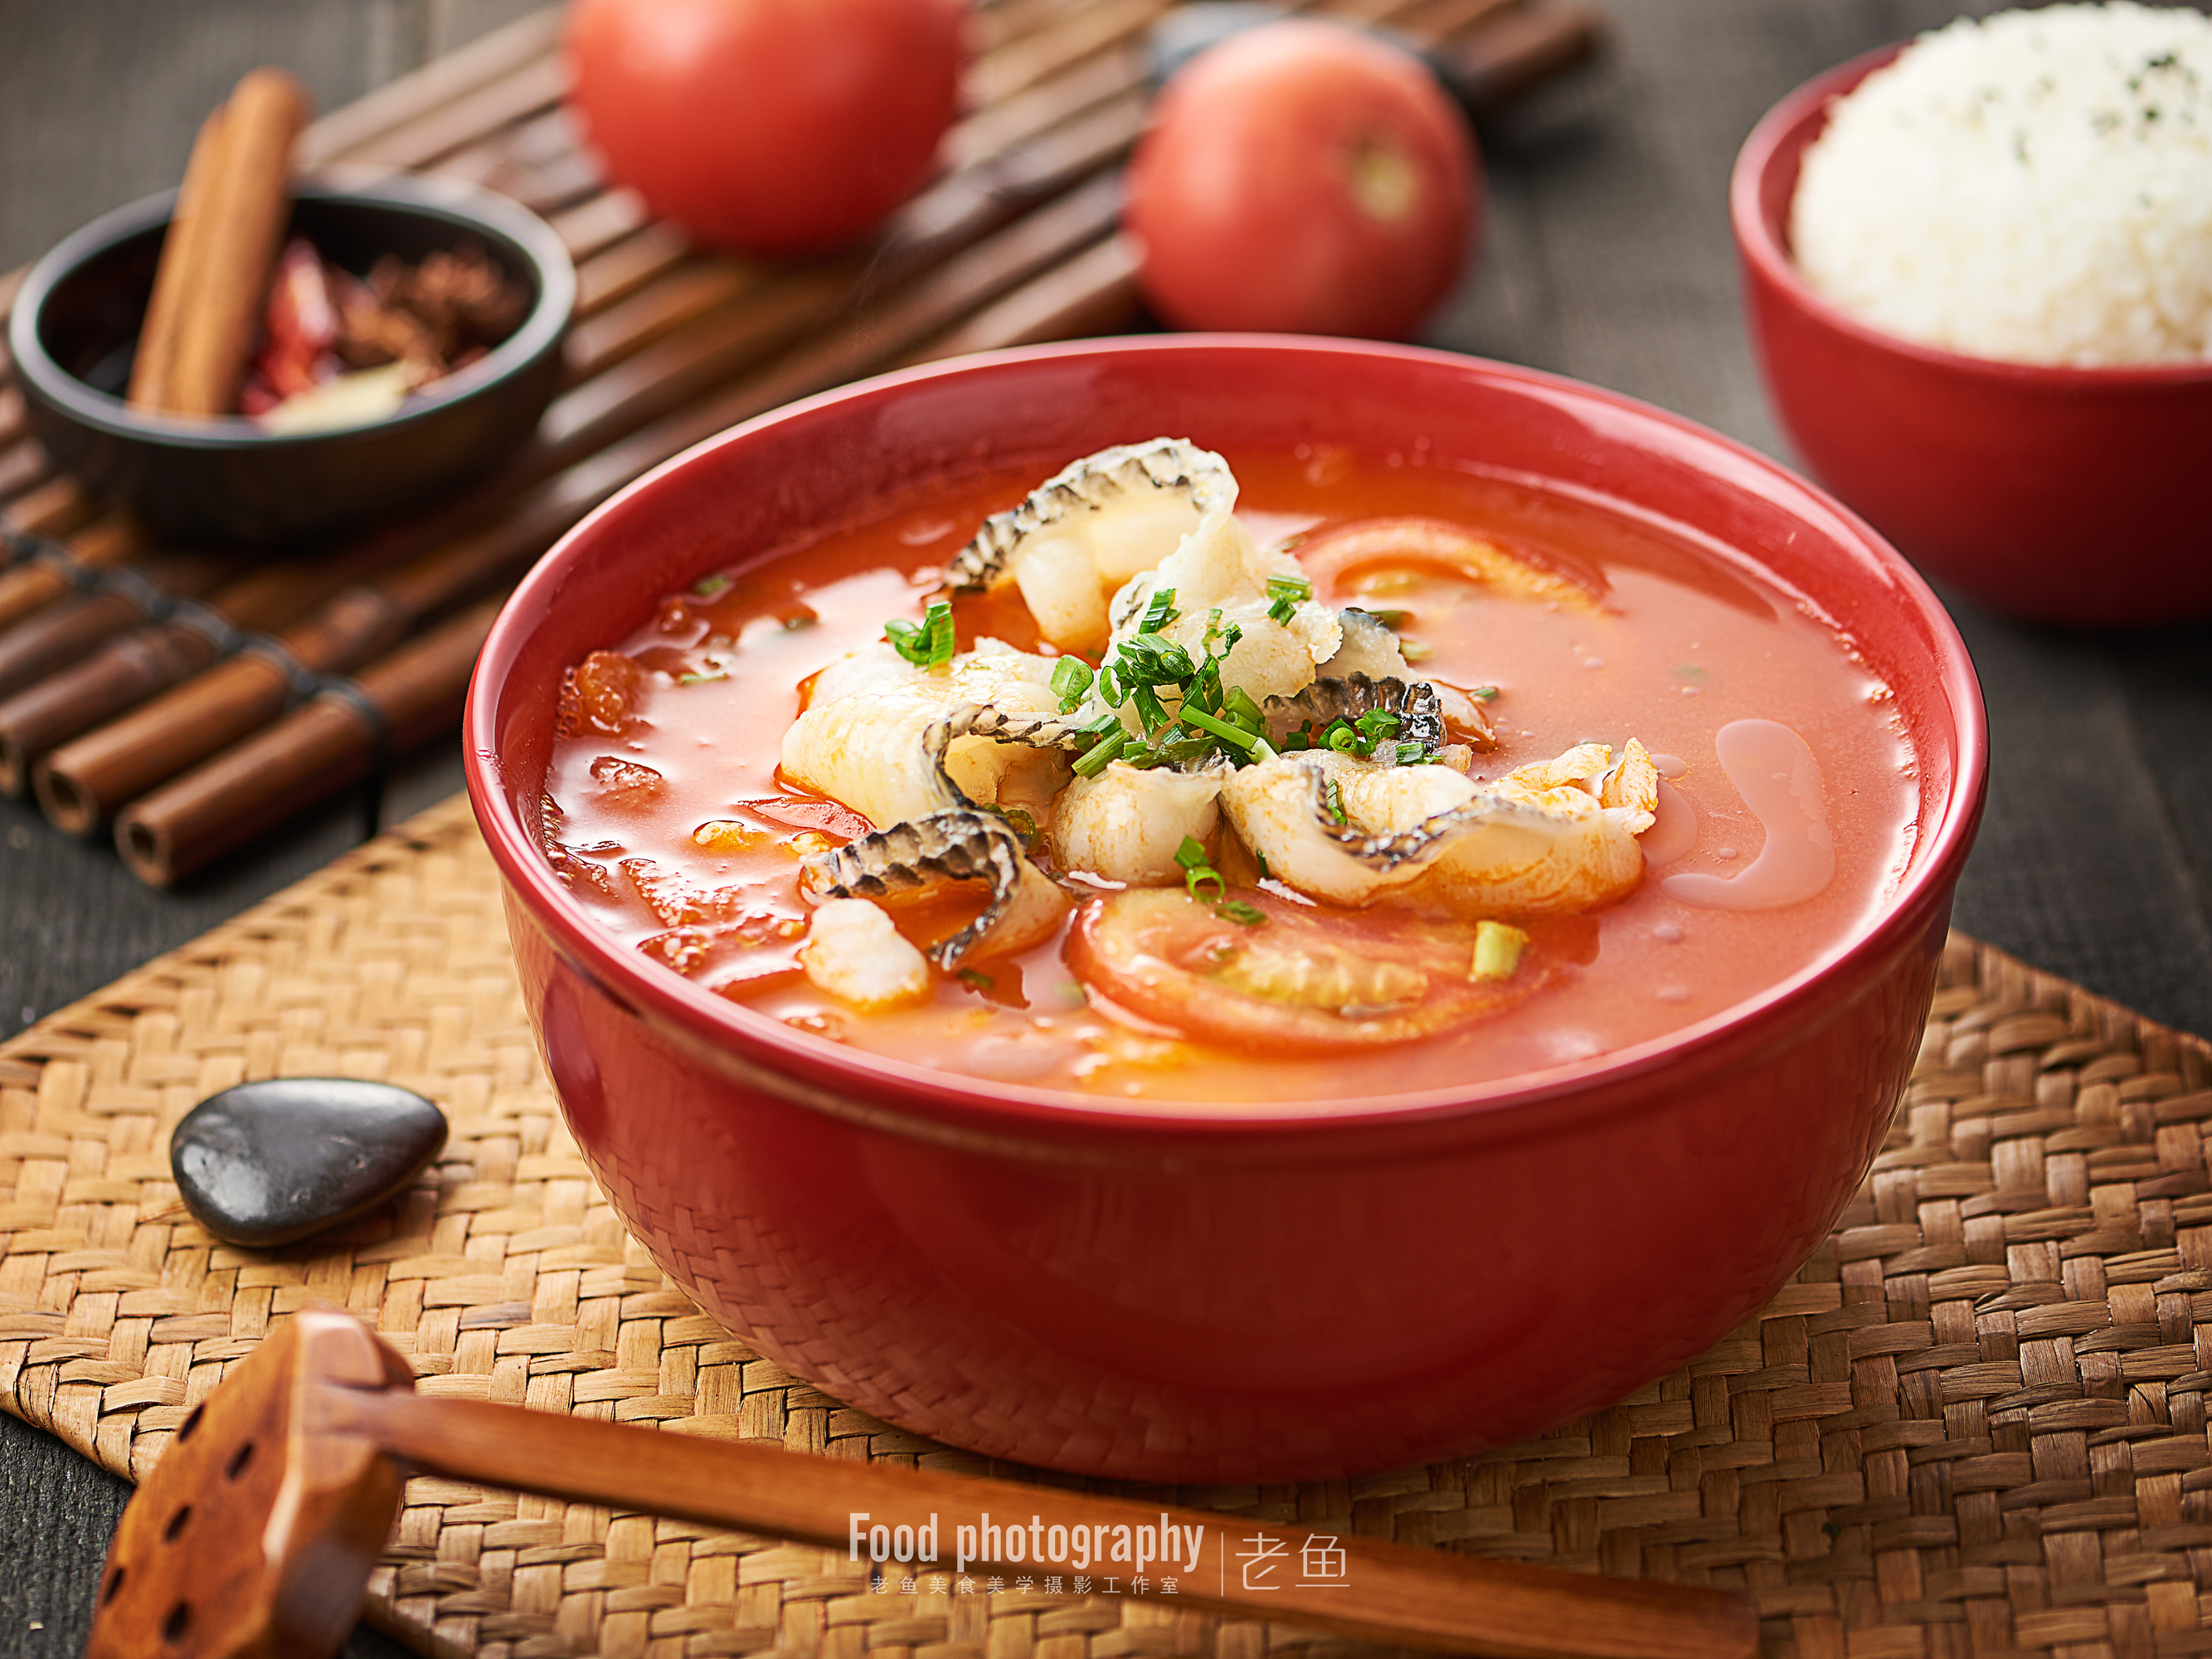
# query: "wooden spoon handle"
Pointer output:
{"type": "Point", "coordinates": [1420, 1598]}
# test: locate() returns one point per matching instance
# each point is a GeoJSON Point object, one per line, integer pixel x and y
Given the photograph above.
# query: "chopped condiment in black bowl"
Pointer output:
{"type": "Point", "coordinates": [232, 481]}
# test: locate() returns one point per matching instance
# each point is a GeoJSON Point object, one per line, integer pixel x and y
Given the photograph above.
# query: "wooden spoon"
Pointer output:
{"type": "Point", "coordinates": [256, 1531]}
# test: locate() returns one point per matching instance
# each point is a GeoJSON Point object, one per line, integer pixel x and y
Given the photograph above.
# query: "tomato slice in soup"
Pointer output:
{"type": "Point", "coordinates": [1302, 980]}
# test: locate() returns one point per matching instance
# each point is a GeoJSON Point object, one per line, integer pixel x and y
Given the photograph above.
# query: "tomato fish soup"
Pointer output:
{"type": "Point", "coordinates": [1246, 779]}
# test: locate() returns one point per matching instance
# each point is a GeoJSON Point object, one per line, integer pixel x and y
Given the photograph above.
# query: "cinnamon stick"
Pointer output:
{"type": "Point", "coordinates": [237, 223]}
{"type": "Point", "coordinates": [154, 370]}
{"type": "Point", "coordinates": [326, 745]}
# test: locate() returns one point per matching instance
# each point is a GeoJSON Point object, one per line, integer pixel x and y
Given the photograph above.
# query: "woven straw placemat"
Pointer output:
{"type": "Point", "coordinates": [1974, 1423]}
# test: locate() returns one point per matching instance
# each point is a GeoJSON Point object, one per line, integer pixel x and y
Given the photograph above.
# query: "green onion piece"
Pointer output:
{"type": "Point", "coordinates": [1286, 594]}
{"type": "Point", "coordinates": [701, 679]}
{"type": "Point", "coordinates": [1498, 951]}
{"type": "Point", "coordinates": [1149, 708]}
{"type": "Point", "coordinates": [1393, 620]}
{"type": "Point", "coordinates": [1410, 754]}
{"type": "Point", "coordinates": [1243, 915]}
{"type": "Point", "coordinates": [1196, 871]}
{"type": "Point", "coordinates": [930, 645]}
{"type": "Point", "coordinates": [1415, 651]}
{"type": "Point", "coordinates": [1332, 802]}
{"type": "Point", "coordinates": [1341, 738]}
{"type": "Point", "coordinates": [1484, 694]}
{"type": "Point", "coordinates": [1240, 708]}
{"type": "Point", "coordinates": [1148, 660]}
{"type": "Point", "coordinates": [706, 586]}
{"type": "Point", "coordinates": [1109, 687]}
{"type": "Point", "coordinates": [1071, 680]}
{"type": "Point", "coordinates": [1092, 761]}
{"type": "Point", "coordinates": [1378, 723]}
{"type": "Point", "coordinates": [1159, 613]}
{"type": "Point", "coordinates": [1220, 728]}
{"type": "Point", "coordinates": [1103, 722]}
{"type": "Point", "coordinates": [975, 978]}
{"type": "Point", "coordinates": [1297, 740]}
{"type": "Point", "coordinates": [1019, 821]}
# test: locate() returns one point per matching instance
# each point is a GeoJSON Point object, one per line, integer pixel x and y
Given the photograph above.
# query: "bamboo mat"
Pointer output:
{"type": "Point", "coordinates": [1975, 1422]}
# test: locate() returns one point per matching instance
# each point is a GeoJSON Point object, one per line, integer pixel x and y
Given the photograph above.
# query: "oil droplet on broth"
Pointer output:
{"type": "Point", "coordinates": [1780, 782]}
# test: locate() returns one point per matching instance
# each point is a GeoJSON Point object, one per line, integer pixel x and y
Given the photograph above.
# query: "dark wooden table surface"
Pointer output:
{"type": "Point", "coordinates": [1608, 257]}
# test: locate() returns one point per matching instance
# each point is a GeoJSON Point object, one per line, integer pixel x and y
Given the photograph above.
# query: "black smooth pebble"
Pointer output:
{"type": "Point", "coordinates": [263, 1163]}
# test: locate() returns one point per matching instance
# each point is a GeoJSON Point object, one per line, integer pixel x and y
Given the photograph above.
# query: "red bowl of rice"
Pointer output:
{"type": "Point", "coordinates": [2052, 492]}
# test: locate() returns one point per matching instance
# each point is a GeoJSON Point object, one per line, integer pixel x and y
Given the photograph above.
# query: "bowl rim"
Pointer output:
{"type": "Point", "coordinates": [852, 1082]}
{"type": "Point", "coordinates": [1774, 142]}
{"type": "Point", "coordinates": [452, 201]}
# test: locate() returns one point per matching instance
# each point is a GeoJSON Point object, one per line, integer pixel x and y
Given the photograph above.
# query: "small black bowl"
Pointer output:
{"type": "Point", "coordinates": [226, 481]}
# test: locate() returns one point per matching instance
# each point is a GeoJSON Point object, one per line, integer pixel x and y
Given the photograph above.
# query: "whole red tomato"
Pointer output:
{"type": "Point", "coordinates": [773, 126]}
{"type": "Point", "coordinates": [1306, 178]}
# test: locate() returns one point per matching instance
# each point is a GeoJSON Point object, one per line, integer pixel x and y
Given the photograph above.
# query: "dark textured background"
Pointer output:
{"type": "Point", "coordinates": [1607, 259]}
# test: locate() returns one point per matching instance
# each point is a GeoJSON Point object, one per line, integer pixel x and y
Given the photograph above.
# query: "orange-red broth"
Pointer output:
{"type": "Point", "coordinates": [1684, 644]}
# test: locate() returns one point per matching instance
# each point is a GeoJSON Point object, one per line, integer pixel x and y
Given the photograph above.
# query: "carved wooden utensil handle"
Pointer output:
{"type": "Point", "coordinates": [256, 1534]}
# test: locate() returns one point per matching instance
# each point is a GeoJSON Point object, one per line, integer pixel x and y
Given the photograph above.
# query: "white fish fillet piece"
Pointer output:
{"type": "Point", "coordinates": [1125, 825]}
{"type": "Point", "coordinates": [1272, 808]}
{"type": "Point", "coordinates": [1542, 840]}
{"type": "Point", "coordinates": [1092, 526]}
{"type": "Point", "coordinates": [854, 954]}
{"type": "Point", "coordinates": [861, 738]}
{"type": "Point", "coordinates": [1220, 567]}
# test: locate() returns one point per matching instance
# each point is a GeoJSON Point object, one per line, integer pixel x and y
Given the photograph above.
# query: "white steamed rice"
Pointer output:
{"type": "Point", "coordinates": [2035, 187]}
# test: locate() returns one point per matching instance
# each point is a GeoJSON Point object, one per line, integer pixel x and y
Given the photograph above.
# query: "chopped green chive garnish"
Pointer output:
{"type": "Point", "coordinates": [706, 586]}
{"type": "Point", "coordinates": [1071, 682]}
{"type": "Point", "coordinates": [1393, 620]}
{"type": "Point", "coordinates": [1220, 728]}
{"type": "Point", "coordinates": [1238, 705]}
{"type": "Point", "coordinates": [929, 644]}
{"type": "Point", "coordinates": [1415, 651]}
{"type": "Point", "coordinates": [1159, 613]}
{"type": "Point", "coordinates": [701, 679]}
{"type": "Point", "coordinates": [1093, 761]}
{"type": "Point", "coordinates": [1285, 594]}
{"type": "Point", "coordinates": [975, 979]}
{"type": "Point", "coordinates": [1019, 822]}
{"type": "Point", "coordinates": [1196, 871]}
{"type": "Point", "coordinates": [1484, 694]}
{"type": "Point", "coordinates": [1411, 754]}
{"type": "Point", "coordinates": [1243, 915]}
{"type": "Point", "coordinates": [1332, 802]}
{"type": "Point", "coordinates": [1150, 709]}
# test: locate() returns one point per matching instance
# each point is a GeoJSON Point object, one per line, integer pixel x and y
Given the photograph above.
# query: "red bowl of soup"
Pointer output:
{"type": "Point", "coordinates": [1022, 1218]}
{"type": "Point", "coordinates": [2059, 494]}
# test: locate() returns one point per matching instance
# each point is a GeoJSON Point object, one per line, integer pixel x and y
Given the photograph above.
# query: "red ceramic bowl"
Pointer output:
{"type": "Point", "coordinates": [1166, 1292]}
{"type": "Point", "coordinates": [2063, 494]}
